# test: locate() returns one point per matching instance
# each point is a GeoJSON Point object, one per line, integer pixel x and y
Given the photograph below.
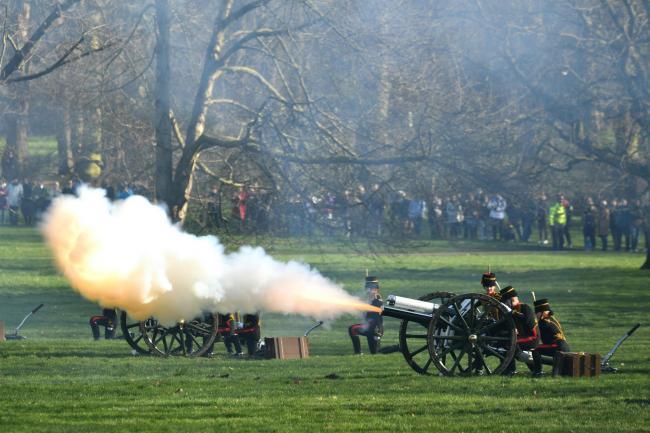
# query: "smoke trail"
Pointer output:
{"type": "Point", "coordinates": [130, 256]}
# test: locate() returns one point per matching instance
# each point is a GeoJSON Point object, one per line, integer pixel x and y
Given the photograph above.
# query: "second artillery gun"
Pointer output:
{"type": "Point", "coordinates": [470, 334]}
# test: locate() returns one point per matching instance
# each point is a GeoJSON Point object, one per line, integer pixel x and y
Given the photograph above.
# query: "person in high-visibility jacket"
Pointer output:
{"type": "Point", "coordinates": [557, 222]}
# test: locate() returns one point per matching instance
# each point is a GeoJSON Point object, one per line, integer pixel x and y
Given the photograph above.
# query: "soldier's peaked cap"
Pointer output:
{"type": "Point", "coordinates": [507, 293]}
{"type": "Point", "coordinates": [542, 305]}
{"type": "Point", "coordinates": [372, 283]}
{"type": "Point", "coordinates": [488, 279]}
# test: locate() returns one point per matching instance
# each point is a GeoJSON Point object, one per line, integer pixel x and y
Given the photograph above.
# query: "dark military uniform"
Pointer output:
{"type": "Point", "coordinates": [250, 334]}
{"type": "Point", "coordinates": [553, 339]}
{"type": "Point", "coordinates": [525, 323]}
{"type": "Point", "coordinates": [489, 283]}
{"type": "Point", "coordinates": [226, 328]}
{"type": "Point", "coordinates": [108, 319]}
{"type": "Point", "coordinates": [373, 326]}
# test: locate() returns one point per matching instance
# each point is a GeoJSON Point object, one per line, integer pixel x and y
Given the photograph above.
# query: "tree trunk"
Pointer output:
{"type": "Point", "coordinates": [77, 141]}
{"type": "Point", "coordinates": [646, 265]}
{"type": "Point", "coordinates": [17, 132]}
{"type": "Point", "coordinates": [17, 117]}
{"type": "Point", "coordinates": [64, 143]}
{"type": "Point", "coordinates": [164, 167]}
{"type": "Point", "coordinates": [96, 133]}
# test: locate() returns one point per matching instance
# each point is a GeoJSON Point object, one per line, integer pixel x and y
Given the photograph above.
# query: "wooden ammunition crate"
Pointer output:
{"type": "Point", "coordinates": [286, 347]}
{"type": "Point", "coordinates": [576, 364]}
{"type": "Point", "coordinates": [2, 330]}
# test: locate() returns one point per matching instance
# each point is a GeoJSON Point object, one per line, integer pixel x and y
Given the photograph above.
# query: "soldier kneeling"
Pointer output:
{"type": "Point", "coordinates": [525, 322]}
{"type": "Point", "coordinates": [373, 328]}
{"type": "Point", "coordinates": [553, 339]}
{"type": "Point", "coordinates": [108, 320]}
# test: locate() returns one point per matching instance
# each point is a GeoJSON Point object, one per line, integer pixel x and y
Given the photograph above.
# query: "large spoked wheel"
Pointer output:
{"type": "Point", "coordinates": [413, 336]}
{"type": "Point", "coordinates": [193, 338]}
{"type": "Point", "coordinates": [472, 334]}
{"type": "Point", "coordinates": [133, 334]}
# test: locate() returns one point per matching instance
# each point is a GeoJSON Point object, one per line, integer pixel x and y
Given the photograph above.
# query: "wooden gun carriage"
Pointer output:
{"type": "Point", "coordinates": [470, 334]}
{"type": "Point", "coordinates": [192, 338]}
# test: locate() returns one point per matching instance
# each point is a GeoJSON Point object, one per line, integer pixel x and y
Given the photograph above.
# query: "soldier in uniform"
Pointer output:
{"type": "Point", "coordinates": [489, 283]}
{"type": "Point", "coordinates": [373, 327]}
{"type": "Point", "coordinates": [227, 329]}
{"type": "Point", "coordinates": [250, 333]}
{"type": "Point", "coordinates": [551, 333]}
{"type": "Point", "coordinates": [525, 323]}
{"type": "Point", "coordinates": [108, 320]}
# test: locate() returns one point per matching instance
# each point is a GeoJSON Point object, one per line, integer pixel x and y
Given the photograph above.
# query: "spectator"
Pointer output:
{"type": "Point", "coordinates": [110, 191]}
{"type": "Point", "coordinates": [3, 200]}
{"type": "Point", "coordinates": [472, 216]}
{"type": "Point", "coordinates": [416, 213]}
{"type": "Point", "coordinates": [624, 221]}
{"type": "Point", "coordinates": [541, 213]}
{"type": "Point", "coordinates": [484, 216]}
{"type": "Point", "coordinates": [452, 223]}
{"type": "Point", "coordinates": [603, 224]}
{"type": "Point", "coordinates": [124, 192]}
{"type": "Point", "coordinates": [636, 224]}
{"type": "Point", "coordinates": [376, 204]}
{"type": "Point", "coordinates": [497, 206]}
{"type": "Point", "coordinates": [214, 207]}
{"type": "Point", "coordinates": [329, 206]}
{"type": "Point", "coordinates": [240, 202]}
{"type": "Point", "coordinates": [527, 220]}
{"type": "Point", "coordinates": [42, 199]}
{"type": "Point", "coordinates": [399, 211]}
{"type": "Point", "coordinates": [14, 199]}
{"type": "Point", "coordinates": [28, 204]}
{"type": "Point", "coordinates": [557, 222]}
{"type": "Point", "coordinates": [614, 224]}
{"type": "Point", "coordinates": [589, 227]}
{"type": "Point", "coordinates": [69, 188]}
{"type": "Point", "coordinates": [515, 219]}
{"type": "Point", "coordinates": [568, 210]}
{"type": "Point", "coordinates": [436, 218]}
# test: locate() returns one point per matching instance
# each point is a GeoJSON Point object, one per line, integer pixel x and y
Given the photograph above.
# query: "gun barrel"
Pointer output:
{"type": "Point", "coordinates": [409, 309]}
{"type": "Point", "coordinates": [415, 305]}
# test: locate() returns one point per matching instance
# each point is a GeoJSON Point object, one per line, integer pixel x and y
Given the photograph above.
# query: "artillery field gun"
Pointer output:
{"type": "Point", "coordinates": [193, 338]}
{"type": "Point", "coordinates": [471, 334]}
{"type": "Point", "coordinates": [465, 335]}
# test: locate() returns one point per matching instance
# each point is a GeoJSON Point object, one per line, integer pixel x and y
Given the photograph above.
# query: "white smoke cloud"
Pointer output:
{"type": "Point", "coordinates": [129, 255]}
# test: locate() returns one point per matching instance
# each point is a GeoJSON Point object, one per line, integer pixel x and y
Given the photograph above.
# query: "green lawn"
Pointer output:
{"type": "Point", "coordinates": [59, 380]}
{"type": "Point", "coordinates": [38, 145]}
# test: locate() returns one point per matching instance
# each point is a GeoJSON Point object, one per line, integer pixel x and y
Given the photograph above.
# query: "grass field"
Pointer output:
{"type": "Point", "coordinates": [59, 380]}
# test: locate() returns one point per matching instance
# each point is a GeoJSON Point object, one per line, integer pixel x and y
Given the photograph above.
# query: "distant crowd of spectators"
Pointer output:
{"type": "Point", "coordinates": [374, 212]}
{"type": "Point", "coordinates": [25, 201]}
{"type": "Point", "coordinates": [475, 215]}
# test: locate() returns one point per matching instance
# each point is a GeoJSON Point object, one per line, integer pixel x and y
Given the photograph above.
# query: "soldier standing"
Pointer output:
{"type": "Point", "coordinates": [373, 327]}
{"type": "Point", "coordinates": [525, 323]}
{"type": "Point", "coordinates": [553, 339]}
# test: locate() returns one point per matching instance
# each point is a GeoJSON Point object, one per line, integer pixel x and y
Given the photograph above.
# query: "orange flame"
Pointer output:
{"type": "Point", "coordinates": [350, 304]}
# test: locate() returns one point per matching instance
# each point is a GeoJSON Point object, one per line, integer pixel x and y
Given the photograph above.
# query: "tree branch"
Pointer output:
{"type": "Point", "coordinates": [18, 59]}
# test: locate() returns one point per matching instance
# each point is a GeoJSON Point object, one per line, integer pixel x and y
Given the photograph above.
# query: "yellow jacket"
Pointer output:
{"type": "Point", "coordinates": [556, 214]}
